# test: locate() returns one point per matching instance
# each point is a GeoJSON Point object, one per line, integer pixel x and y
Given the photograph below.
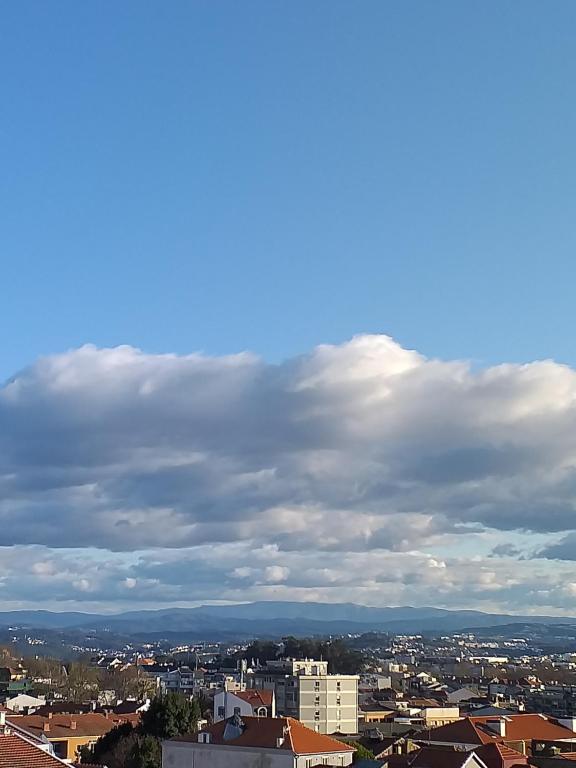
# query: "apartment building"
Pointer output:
{"type": "Point", "coordinates": [304, 690]}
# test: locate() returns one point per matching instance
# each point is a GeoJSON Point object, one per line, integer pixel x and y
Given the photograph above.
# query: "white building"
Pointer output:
{"type": "Point", "coordinates": [304, 690]}
{"type": "Point", "coordinates": [24, 703]}
{"type": "Point", "coordinates": [252, 703]}
{"type": "Point", "coordinates": [276, 742]}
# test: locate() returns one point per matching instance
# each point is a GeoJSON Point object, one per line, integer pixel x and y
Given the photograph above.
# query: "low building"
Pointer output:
{"type": "Point", "coordinates": [276, 742]}
{"type": "Point", "coordinates": [20, 751]}
{"type": "Point", "coordinates": [523, 732]}
{"type": "Point", "coordinates": [67, 733]}
{"type": "Point", "coordinates": [24, 703]}
{"type": "Point", "coordinates": [251, 703]}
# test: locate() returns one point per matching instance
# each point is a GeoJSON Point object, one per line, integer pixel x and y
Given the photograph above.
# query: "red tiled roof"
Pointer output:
{"type": "Point", "coordinates": [526, 727]}
{"type": "Point", "coordinates": [500, 755]}
{"type": "Point", "coordinates": [459, 732]}
{"type": "Point", "coordinates": [477, 730]}
{"type": "Point", "coordinates": [265, 732]}
{"type": "Point", "coordinates": [70, 726]}
{"type": "Point", "coordinates": [256, 697]}
{"type": "Point", "coordinates": [17, 752]}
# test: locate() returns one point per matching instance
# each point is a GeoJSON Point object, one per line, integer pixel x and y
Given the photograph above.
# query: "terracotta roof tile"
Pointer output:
{"type": "Point", "coordinates": [17, 752]}
{"type": "Point", "coordinates": [265, 732]}
{"type": "Point", "coordinates": [256, 697]}
{"type": "Point", "coordinates": [70, 726]}
{"type": "Point", "coordinates": [477, 730]}
{"type": "Point", "coordinates": [500, 755]}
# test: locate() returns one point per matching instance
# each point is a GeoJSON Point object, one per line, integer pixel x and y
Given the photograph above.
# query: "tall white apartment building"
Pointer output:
{"type": "Point", "coordinates": [304, 690]}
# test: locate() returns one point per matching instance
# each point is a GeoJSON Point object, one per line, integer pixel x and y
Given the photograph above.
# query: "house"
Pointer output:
{"type": "Point", "coordinates": [251, 703]}
{"type": "Point", "coordinates": [487, 756]}
{"type": "Point", "coordinates": [67, 733]}
{"type": "Point", "coordinates": [20, 751]}
{"type": "Point", "coordinates": [276, 742]}
{"type": "Point", "coordinates": [521, 732]}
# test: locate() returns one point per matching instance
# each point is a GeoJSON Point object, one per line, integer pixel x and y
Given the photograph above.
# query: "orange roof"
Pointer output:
{"type": "Point", "coordinates": [69, 726]}
{"type": "Point", "coordinates": [18, 752]}
{"type": "Point", "coordinates": [459, 732]}
{"type": "Point", "coordinates": [255, 697]}
{"type": "Point", "coordinates": [264, 732]}
{"type": "Point", "coordinates": [477, 730]}
{"type": "Point", "coordinates": [500, 756]}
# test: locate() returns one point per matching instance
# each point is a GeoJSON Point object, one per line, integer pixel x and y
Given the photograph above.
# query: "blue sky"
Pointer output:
{"type": "Point", "coordinates": [216, 176]}
{"type": "Point", "coordinates": [272, 175]}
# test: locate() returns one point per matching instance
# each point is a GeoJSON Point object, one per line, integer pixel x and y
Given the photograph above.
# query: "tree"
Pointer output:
{"type": "Point", "coordinates": [107, 747]}
{"type": "Point", "coordinates": [81, 681]}
{"type": "Point", "coordinates": [261, 650]}
{"type": "Point", "coordinates": [126, 747]}
{"type": "Point", "coordinates": [342, 660]}
{"type": "Point", "coordinates": [361, 752]}
{"type": "Point", "coordinates": [146, 753]}
{"type": "Point", "coordinates": [125, 682]}
{"type": "Point", "coordinates": [171, 714]}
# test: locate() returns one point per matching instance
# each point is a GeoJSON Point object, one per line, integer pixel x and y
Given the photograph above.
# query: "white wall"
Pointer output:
{"type": "Point", "coordinates": [227, 700]}
{"type": "Point", "coordinates": [179, 754]}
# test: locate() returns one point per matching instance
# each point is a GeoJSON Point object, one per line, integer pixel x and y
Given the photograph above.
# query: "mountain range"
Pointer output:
{"type": "Point", "coordinates": [270, 619]}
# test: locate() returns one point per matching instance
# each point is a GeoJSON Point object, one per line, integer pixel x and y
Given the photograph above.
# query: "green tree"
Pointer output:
{"type": "Point", "coordinates": [171, 714]}
{"type": "Point", "coordinates": [126, 747]}
{"type": "Point", "coordinates": [361, 752]}
{"type": "Point", "coordinates": [146, 753]}
{"type": "Point", "coordinates": [107, 746]}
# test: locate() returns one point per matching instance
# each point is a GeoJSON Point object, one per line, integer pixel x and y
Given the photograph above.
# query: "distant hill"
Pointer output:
{"type": "Point", "coordinates": [272, 619]}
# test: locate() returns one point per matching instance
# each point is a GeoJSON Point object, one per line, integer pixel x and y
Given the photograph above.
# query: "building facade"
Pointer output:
{"type": "Point", "coordinates": [304, 690]}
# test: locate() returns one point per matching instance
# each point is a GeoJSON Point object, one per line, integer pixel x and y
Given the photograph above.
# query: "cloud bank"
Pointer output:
{"type": "Point", "coordinates": [362, 472]}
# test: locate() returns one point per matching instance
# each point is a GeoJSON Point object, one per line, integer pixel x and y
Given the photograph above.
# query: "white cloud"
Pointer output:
{"type": "Point", "coordinates": [335, 470]}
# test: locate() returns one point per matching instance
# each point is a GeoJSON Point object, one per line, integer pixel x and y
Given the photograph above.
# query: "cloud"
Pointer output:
{"type": "Point", "coordinates": [361, 452]}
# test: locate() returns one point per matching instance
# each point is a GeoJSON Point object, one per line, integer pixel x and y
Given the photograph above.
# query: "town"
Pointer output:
{"type": "Point", "coordinates": [481, 699]}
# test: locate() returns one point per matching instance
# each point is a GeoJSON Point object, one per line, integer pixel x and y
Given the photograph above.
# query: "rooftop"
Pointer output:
{"type": "Point", "coordinates": [270, 733]}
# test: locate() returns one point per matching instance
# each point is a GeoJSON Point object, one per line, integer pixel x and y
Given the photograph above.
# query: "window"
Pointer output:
{"type": "Point", "coordinates": [221, 711]}
{"type": "Point", "coordinates": [338, 685]}
{"type": "Point", "coordinates": [338, 714]}
{"type": "Point", "coordinates": [316, 699]}
{"type": "Point", "coordinates": [236, 710]}
{"type": "Point", "coordinates": [338, 698]}
{"type": "Point", "coordinates": [316, 685]}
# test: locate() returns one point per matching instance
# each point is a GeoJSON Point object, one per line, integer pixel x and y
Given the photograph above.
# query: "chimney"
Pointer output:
{"type": "Point", "coordinates": [279, 742]}
{"type": "Point", "coordinates": [72, 725]}
{"type": "Point", "coordinates": [46, 727]}
{"type": "Point", "coordinates": [2, 718]}
{"type": "Point", "coordinates": [50, 715]}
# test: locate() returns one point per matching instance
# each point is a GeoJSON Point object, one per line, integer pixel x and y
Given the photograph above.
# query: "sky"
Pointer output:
{"type": "Point", "coordinates": [286, 303]}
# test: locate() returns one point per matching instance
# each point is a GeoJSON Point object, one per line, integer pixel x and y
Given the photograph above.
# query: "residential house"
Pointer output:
{"type": "Point", "coordinates": [276, 742]}
{"type": "Point", "coordinates": [67, 733]}
{"type": "Point", "coordinates": [251, 703]}
{"type": "Point", "coordinates": [522, 732]}
{"type": "Point", "coordinates": [20, 751]}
